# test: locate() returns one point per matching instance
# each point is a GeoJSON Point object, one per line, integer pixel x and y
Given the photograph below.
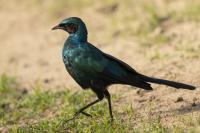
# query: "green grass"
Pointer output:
{"type": "Point", "coordinates": [23, 111]}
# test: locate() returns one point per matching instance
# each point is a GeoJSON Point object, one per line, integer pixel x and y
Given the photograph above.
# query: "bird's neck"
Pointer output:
{"type": "Point", "coordinates": [80, 35]}
{"type": "Point", "coordinates": [77, 37]}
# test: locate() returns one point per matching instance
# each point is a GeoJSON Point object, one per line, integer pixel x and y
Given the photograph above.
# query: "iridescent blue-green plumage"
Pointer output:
{"type": "Point", "coordinates": [92, 68]}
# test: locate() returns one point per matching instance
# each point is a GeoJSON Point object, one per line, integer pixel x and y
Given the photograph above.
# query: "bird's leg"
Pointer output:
{"type": "Point", "coordinates": [86, 114]}
{"type": "Point", "coordinates": [107, 95]}
{"type": "Point", "coordinates": [83, 108]}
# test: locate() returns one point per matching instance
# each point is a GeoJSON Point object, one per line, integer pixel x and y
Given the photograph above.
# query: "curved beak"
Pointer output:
{"type": "Point", "coordinates": [56, 27]}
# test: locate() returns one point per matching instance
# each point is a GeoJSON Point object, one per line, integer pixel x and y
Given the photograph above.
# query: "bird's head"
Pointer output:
{"type": "Point", "coordinates": [74, 26]}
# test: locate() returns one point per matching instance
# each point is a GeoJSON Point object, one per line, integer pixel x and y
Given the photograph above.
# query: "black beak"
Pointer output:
{"type": "Point", "coordinates": [56, 27]}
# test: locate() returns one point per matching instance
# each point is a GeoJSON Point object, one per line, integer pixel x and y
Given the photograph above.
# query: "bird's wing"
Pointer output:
{"type": "Point", "coordinates": [100, 66]}
{"type": "Point", "coordinates": [120, 63]}
{"type": "Point", "coordinates": [126, 74]}
{"type": "Point", "coordinates": [111, 60]}
{"type": "Point", "coordinates": [93, 62]}
{"type": "Point", "coordinates": [108, 65]}
{"type": "Point", "coordinates": [89, 60]}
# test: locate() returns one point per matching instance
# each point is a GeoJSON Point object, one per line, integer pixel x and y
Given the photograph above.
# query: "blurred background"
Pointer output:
{"type": "Point", "coordinates": [158, 38]}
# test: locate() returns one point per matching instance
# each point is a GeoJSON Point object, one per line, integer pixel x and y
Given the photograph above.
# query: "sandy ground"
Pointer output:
{"type": "Point", "coordinates": [30, 51]}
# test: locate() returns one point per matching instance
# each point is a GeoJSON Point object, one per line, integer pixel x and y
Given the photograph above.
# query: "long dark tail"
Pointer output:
{"type": "Point", "coordinates": [167, 82]}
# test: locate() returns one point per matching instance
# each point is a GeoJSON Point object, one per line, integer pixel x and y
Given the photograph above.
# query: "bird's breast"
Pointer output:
{"type": "Point", "coordinates": [71, 56]}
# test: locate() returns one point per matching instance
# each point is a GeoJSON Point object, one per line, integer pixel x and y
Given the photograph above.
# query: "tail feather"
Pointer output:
{"type": "Point", "coordinates": [142, 85]}
{"type": "Point", "coordinates": [167, 82]}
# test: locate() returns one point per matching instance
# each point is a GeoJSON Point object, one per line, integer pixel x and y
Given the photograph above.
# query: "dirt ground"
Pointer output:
{"type": "Point", "coordinates": [30, 51]}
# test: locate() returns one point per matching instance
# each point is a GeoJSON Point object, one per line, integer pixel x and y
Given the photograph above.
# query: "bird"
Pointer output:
{"type": "Point", "coordinates": [94, 69]}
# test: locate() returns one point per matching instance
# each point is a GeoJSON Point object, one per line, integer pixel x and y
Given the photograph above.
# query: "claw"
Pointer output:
{"type": "Point", "coordinates": [77, 114]}
{"type": "Point", "coordinates": [86, 114]}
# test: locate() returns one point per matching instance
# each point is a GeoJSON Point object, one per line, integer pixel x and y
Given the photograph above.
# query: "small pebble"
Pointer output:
{"type": "Point", "coordinates": [194, 104]}
{"type": "Point", "coordinates": [152, 98]}
{"type": "Point", "coordinates": [46, 81]}
{"type": "Point", "coordinates": [140, 92]}
{"type": "Point", "coordinates": [142, 100]}
{"type": "Point", "coordinates": [179, 99]}
{"type": "Point", "coordinates": [24, 91]}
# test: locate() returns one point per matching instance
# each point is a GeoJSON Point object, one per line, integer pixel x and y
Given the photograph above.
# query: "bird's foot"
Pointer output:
{"type": "Point", "coordinates": [86, 114]}
{"type": "Point", "coordinates": [77, 114]}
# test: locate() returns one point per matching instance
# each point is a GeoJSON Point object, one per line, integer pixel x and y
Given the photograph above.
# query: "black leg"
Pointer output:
{"type": "Point", "coordinates": [86, 114]}
{"type": "Point", "coordinates": [83, 108]}
{"type": "Point", "coordinates": [107, 95]}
